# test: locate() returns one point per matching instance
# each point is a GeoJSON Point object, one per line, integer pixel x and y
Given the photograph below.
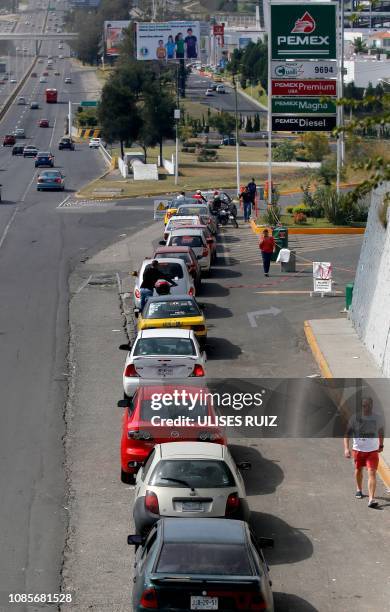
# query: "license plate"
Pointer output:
{"type": "Point", "coordinates": [204, 603]}
{"type": "Point", "coordinates": [172, 324]}
{"type": "Point", "coordinates": [192, 506]}
{"type": "Point", "coordinates": [164, 371]}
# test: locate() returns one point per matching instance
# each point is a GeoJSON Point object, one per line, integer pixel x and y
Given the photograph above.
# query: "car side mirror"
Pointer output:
{"type": "Point", "coordinates": [162, 242]}
{"type": "Point", "coordinates": [124, 347]}
{"type": "Point", "coordinates": [265, 542]}
{"type": "Point", "coordinates": [244, 465]}
{"type": "Point", "coordinates": [134, 273]}
{"type": "Point", "coordinates": [122, 403]}
{"type": "Point", "coordinates": [137, 312]}
{"type": "Point", "coordinates": [135, 540]}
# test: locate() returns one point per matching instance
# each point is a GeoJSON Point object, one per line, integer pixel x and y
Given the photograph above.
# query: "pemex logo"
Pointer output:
{"type": "Point", "coordinates": [305, 25]}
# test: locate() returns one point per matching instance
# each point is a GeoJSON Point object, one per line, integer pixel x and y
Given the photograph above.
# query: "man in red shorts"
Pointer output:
{"type": "Point", "coordinates": [367, 432]}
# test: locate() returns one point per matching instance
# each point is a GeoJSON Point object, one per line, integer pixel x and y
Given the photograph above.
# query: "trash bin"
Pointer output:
{"type": "Point", "coordinates": [348, 295]}
{"type": "Point", "coordinates": [280, 235]}
{"type": "Point", "coordinates": [290, 265]}
{"type": "Point", "coordinates": [260, 191]}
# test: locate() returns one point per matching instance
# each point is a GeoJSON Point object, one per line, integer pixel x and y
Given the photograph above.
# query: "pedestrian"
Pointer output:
{"type": "Point", "coordinates": [367, 433]}
{"type": "Point", "coordinates": [151, 275]}
{"type": "Point", "coordinates": [252, 188]}
{"type": "Point", "coordinates": [181, 196]}
{"type": "Point", "coordinates": [267, 247]}
{"type": "Point", "coordinates": [247, 203]}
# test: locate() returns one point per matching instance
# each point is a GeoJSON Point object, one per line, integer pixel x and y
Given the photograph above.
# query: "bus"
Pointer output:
{"type": "Point", "coordinates": [51, 96]}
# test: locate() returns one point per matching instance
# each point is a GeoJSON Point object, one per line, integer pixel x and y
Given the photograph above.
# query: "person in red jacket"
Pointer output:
{"type": "Point", "coordinates": [267, 247]}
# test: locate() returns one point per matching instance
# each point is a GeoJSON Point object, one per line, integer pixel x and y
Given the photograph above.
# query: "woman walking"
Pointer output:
{"type": "Point", "coordinates": [267, 247]}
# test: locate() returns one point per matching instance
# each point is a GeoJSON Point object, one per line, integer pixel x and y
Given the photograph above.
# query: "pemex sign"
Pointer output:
{"type": "Point", "coordinates": [306, 31]}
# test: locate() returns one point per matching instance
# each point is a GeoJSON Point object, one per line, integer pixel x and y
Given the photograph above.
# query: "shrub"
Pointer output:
{"type": "Point", "coordinates": [284, 152]}
{"type": "Point", "coordinates": [290, 209]}
{"type": "Point", "coordinates": [300, 218]}
{"type": "Point", "coordinates": [301, 208]}
{"type": "Point", "coordinates": [271, 216]}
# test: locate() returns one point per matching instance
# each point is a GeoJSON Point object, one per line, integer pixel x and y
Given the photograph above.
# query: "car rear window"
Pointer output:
{"type": "Point", "coordinates": [183, 256]}
{"type": "Point", "coordinates": [202, 474]}
{"type": "Point", "coordinates": [191, 211]}
{"type": "Point", "coordinates": [171, 270]}
{"type": "Point", "coordinates": [171, 309]}
{"type": "Point", "coordinates": [205, 558]}
{"type": "Point", "coordinates": [191, 241]}
{"type": "Point", "coordinates": [164, 346]}
{"type": "Point", "coordinates": [148, 410]}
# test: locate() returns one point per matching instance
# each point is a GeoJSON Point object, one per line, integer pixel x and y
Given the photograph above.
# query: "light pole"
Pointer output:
{"type": "Point", "coordinates": [237, 135]}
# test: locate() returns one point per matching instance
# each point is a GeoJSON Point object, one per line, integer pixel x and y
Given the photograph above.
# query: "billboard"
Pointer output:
{"type": "Point", "coordinates": [113, 34]}
{"type": "Point", "coordinates": [168, 41]}
{"type": "Point", "coordinates": [303, 31]}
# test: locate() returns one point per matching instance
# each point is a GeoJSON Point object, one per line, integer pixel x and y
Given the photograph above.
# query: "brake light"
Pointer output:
{"type": "Point", "coordinates": [191, 291]}
{"type": "Point", "coordinates": [151, 502]}
{"type": "Point", "coordinates": [130, 371]}
{"type": "Point", "coordinates": [136, 434]}
{"type": "Point", "coordinates": [137, 294]}
{"type": "Point", "coordinates": [210, 240]}
{"type": "Point", "coordinates": [149, 599]}
{"type": "Point", "coordinates": [198, 328]}
{"type": "Point", "coordinates": [58, 180]}
{"type": "Point", "coordinates": [258, 603]}
{"type": "Point", "coordinates": [205, 252]}
{"type": "Point", "coordinates": [198, 370]}
{"type": "Point", "coordinates": [232, 503]}
{"type": "Point", "coordinates": [40, 180]}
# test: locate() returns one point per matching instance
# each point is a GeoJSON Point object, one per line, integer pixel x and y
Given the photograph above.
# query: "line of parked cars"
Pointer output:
{"type": "Point", "coordinates": [194, 548]}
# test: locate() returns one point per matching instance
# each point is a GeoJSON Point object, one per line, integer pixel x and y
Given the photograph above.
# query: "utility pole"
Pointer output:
{"type": "Point", "coordinates": [177, 118]}
{"type": "Point", "coordinates": [237, 135]}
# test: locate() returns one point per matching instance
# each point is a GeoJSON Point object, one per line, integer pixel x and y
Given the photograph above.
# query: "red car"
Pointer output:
{"type": "Point", "coordinates": [45, 73]}
{"type": "Point", "coordinates": [43, 123]}
{"type": "Point", "coordinates": [187, 255]}
{"type": "Point", "coordinates": [140, 433]}
{"type": "Point", "coordinates": [9, 140]}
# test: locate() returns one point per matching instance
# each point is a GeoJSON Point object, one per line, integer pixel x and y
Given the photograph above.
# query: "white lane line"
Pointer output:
{"type": "Point", "coordinates": [7, 227]}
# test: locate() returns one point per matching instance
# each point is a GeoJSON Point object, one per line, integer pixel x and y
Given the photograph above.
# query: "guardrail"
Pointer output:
{"type": "Point", "coordinates": [107, 157]}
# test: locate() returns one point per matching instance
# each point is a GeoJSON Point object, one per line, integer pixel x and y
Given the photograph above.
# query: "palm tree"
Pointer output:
{"type": "Point", "coordinates": [359, 46]}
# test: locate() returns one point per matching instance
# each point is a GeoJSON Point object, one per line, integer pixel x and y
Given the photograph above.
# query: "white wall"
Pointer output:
{"type": "Point", "coordinates": [363, 72]}
{"type": "Point", "coordinates": [370, 311]}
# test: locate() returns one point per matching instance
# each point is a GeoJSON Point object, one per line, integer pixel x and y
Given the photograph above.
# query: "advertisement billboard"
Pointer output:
{"type": "Point", "coordinates": [168, 41]}
{"type": "Point", "coordinates": [303, 31]}
{"type": "Point", "coordinates": [113, 33]}
{"type": "Point", "coordinates": [303, 70]}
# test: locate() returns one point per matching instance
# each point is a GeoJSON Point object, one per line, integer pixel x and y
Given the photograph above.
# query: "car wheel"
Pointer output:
{"type": "Point", "coordinates": [127, 478]}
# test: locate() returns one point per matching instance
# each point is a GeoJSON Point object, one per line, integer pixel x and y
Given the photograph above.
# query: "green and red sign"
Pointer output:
{"type": "Point", "coordinates": [303, 31]}
{"type": "Point", "coordinates": [304, 88]}
{"type": "Point", "coordinates": [303, 106]}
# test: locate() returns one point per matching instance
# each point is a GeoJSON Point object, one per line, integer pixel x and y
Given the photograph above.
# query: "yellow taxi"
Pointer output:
{"type": "Point", "coordinates": [169, 213]}
{"type": "Point", "coordinates": [180, 311]}
{"type": "Point", "coordinates": [218, 79]}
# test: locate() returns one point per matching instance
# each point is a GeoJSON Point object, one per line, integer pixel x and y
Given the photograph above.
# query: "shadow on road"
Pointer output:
{"type": "Point", "coordinates": [286, 602]}
{"type": "Point", "coordinates": [225, 273]}
{"type": "Point", "coordinates": [214, 290]}
{"type": "Point", "coordinates": [212, 311]}
{"type": "Point", "coordinates": [291, 545]}
{"type": "Point", "coordinates": [264, 477]}
{"type": "Point", "coordinates": [220, 348]}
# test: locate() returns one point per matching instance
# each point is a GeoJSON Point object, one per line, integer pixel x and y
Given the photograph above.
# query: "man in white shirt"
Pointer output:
{"type": "Point", "coordinates": [367, 432]}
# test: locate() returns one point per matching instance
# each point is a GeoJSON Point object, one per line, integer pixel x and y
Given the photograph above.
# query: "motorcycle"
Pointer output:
{"type": "Point", "coordinates": [228, 212]}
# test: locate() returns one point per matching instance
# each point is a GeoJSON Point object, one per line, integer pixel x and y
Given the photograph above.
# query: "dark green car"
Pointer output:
{"type": "Point", "coordinates": [200, 564]}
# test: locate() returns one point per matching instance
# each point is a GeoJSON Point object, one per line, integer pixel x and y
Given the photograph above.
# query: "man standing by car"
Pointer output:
{"type": "Point", "coordinates": [252, 188]}
{"type": "Point", "coordinates": [266, 246]}
{"type": "Point", "coordinates": [367, 431]}
{"type": "Point", "coordinates": [247, 203]}
{"type": "Point", "coordinates": [152, 274]}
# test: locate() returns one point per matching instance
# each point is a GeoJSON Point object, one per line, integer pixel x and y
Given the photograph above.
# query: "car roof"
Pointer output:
{"type": "Point", "coordinates": [171, 298]}
{"type": "Point", "coordinates": [196, 203]}
{"type": "Point", "coordinates": [44, 153]}
{"type": "Point", "coordinates": [205, 530]}
{"type": "Point", "coordinates": [165, 333]}
{"type": "Point", "coordinates": [186, 231]}
{"type": "Point", "coordinates": [165, 260]}
{"type": "Point", "coordinates": [191, 449]}
{"type": "Point", "coordinates": [173, 249]}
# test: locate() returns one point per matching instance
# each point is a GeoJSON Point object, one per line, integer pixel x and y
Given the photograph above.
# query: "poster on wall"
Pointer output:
{"type": "Point", "coordinates": [168, 41]}
{"type": "Point", "coordinates": [113, 34]}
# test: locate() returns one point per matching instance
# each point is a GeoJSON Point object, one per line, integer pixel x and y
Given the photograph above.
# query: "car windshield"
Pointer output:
{"type": "Point", "coordinates": [202, 474]}
{"type": "Point", "coordinates": [205, 558]}
{"type": "Point", "coordinates": [51, 174]}
{"type": "Point", "coordinates": [191, 211]}
{"type": "Point", "coordinates": [148, 410]}
{"type": "Point", "coordinates": [43, 154]}
{"type": "Point", "coordinates": [170, 309]}
{"type": "Point", "coordinates": [164, 346]}
{"type": "Point", "coordinates": [170, 269]}
{"type": "Point", "coordinates": [191, 241]}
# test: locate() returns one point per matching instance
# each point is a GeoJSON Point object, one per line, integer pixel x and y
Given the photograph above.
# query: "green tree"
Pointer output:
{"type": "Point", "coordinates": [315, 146]}
{"type": "Point", "coordinates": [157, 114]}
{"type": "Point", "coordinates": [359, 46]}
{"type": "Point", "coordinates": [224, 123]}
{"type": "Point", "coordinates": [118, 114]}
{"type": "Point", "coordinates": [284, 152]}
{"type": "Point", "coordinates": [249, 126]}
{"type": "Point", "coordinates": [256, 123]}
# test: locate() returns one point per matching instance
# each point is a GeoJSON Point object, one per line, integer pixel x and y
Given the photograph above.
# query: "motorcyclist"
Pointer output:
{"type": "Point", "coordinates": [199, 196]}
{"type": "Point", "coordinates": [216, 203]}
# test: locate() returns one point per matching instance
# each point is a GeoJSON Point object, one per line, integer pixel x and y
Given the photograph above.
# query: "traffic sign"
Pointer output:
{"type": "Point", "coordinates": [303, 31]}
{"type": "Point", "coordinates": [303, 70]}
{"type": "Point", "coordinates": [304, 88]}
{"type": "Point", "coordinates": [318, 123]}
{"type": "Point", "coordinates": [303, 106]}
{"type": "Point", "coordinates": [88, 103]}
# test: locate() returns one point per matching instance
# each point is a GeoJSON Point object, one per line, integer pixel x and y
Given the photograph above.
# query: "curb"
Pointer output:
{"type": "Point", "coordinates": [256, 229]}
{"type": "Point", "coordinates": [383, 468]}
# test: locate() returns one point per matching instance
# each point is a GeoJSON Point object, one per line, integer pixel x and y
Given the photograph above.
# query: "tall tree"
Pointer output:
{"type": "Point", "coordinates": [158, 121]}
{"type": "Point", "coordinates": [224, 123]}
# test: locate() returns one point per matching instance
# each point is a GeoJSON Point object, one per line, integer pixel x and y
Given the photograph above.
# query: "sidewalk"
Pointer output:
{"type": "Point", "coordinates": [339, 353]}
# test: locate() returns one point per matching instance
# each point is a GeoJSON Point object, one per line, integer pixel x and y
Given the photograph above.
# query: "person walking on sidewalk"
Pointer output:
{"type": "Point", "coordinates": [367, 433]}
{"type": "Point", "coordinates": [252, 188]}
{"type": "Point", "coordinates": [247, 203]}
{"type": "Point", "coordinates": [267, 247]}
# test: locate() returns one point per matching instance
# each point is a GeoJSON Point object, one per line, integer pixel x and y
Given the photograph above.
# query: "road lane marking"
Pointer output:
{"type": "Point", "coordinates": [293, 292]}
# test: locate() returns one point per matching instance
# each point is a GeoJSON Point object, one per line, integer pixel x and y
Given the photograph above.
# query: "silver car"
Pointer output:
{"type": "Point", "coordinates": [161, 354]}
{"type": "Point", "coordinates": [195, 239]}
{"type": "Point", "coordinates": [199, 210]}
{"type": "Point", "coordinates": [189, 480]}
{"type": "Point", "coordinates": [172, 269]}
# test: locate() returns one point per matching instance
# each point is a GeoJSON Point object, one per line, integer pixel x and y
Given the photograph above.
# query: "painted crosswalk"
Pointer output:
{"type": "Point", "coordinates": [241, 246]}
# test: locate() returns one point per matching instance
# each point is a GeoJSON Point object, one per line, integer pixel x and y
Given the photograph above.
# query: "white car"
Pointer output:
{"type": "Point", "coordinates": [172, 268]}
{"type": "Point", "coordinates": [195, 239]}
{"type": "Point", "coordinates": [60, 57]}
{"type": "Point", "coordinates": [68, 81]}
{"type": "Point", "coordinates": [189, 480]}
{"type": "Point", "coordinates": [13, 81]}
{"type": "Point", "coordinates": [175, 222]}
{"type": "Point", "coordinates": [209, 92]}
{"type": "Point", "coordinates": [94, 143]}
{"type": "Point", "coordinates": [21, 100]}
{"type": "Point", "coordinates": [220, 89]}
{"type": "Point", "coordinates": [42, 79]}
{"type": "Point", "coordinates": [161, 354]}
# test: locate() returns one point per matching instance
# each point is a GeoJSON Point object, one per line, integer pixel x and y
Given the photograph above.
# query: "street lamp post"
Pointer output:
{"type": "Point", "coordinates": [237, 135]}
